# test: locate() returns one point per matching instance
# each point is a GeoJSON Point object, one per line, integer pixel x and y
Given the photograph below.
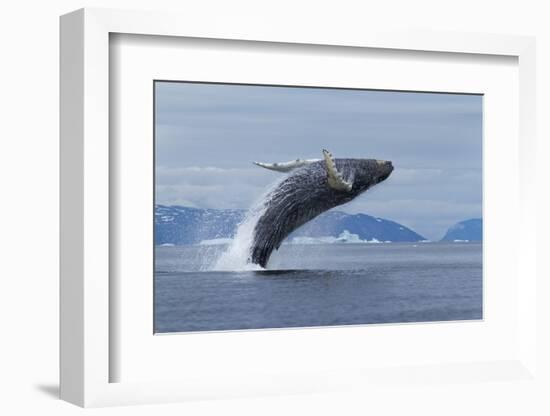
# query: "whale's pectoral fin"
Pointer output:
{"type": "Point", "coordinates": [335, 178]}
{"type": "Point", "coordinates": [286, 166]}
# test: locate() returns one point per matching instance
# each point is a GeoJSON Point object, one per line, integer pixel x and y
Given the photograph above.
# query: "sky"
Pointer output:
{"type": "Point", "coordinates": [208, 135]}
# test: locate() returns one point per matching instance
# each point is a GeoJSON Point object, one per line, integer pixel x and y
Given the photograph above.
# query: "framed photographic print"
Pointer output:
{"type": "Point", "coordinates": [295, 199]}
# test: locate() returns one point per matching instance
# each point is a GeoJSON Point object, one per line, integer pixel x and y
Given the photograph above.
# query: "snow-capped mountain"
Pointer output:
{"type": "Point", "coordinates": [366, 227]}
{"type": "Point", "coordinates": [183, 225]}
{"type": "Point", "coordinates": [468, 230]}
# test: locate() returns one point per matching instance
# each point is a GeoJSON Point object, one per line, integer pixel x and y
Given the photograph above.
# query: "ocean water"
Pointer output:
{"type": "Point", "coordinates": [318, 285]}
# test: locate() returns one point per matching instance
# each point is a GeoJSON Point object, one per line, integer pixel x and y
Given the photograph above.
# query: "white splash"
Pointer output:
{"type": "Point", "coordinates": [237, 255]}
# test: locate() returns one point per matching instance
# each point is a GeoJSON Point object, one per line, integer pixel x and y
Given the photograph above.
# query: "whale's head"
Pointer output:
{"type": "Point", "coordinates": [368, 172]}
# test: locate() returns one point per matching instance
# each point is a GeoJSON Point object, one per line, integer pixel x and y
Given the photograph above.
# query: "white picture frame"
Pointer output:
{"type": "Point", "coordinates": [86, 263]}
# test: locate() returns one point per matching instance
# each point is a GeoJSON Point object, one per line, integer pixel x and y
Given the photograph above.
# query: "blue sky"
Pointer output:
{"type": "Point", "coordinates": [207, 136]}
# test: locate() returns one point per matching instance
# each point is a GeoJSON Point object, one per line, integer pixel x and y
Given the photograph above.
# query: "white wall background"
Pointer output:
{"type": "Point", "coordinates": [29, 208]}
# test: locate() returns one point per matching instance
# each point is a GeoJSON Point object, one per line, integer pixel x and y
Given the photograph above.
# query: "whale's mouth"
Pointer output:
{"type": "Point", "coordinates": [388, 167]}
{"type": "Point", "coordinates": [384, 177]}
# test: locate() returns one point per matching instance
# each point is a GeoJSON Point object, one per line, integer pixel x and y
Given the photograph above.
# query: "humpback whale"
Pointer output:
{"type": "Point", "coordinates": [312, 187]}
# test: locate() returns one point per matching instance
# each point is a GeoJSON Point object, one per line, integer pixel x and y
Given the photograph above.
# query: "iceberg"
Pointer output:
{"type": "Point", "coordinates": [345, 237]}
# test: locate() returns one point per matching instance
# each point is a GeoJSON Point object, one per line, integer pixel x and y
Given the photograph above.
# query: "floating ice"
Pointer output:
{"type": "Point", "coordinates": [345, 237]}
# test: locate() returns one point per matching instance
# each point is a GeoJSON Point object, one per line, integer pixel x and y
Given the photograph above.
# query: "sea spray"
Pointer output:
{"type": "Point", "coordinates": [237, 255]}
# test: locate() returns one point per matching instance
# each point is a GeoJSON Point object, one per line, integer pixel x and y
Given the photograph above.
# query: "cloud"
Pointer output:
{"type": "Point", "coordinates": [211, 187]}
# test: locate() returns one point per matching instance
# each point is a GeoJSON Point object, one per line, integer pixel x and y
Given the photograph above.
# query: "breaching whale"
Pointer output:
{"type": "Point", "coordinates": [312, 187]}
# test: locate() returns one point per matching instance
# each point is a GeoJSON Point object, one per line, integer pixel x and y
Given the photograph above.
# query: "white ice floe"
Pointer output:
{"type": "Point", "coordinates": [345, 237]}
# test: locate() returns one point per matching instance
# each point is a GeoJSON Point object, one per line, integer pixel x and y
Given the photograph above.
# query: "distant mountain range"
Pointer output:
{"type": "Point", "coordinates": [366, 227]}
{"type": "Point", "coordinates": [180, 225]}
{"type": "Point", "coordinates": [468, 230]}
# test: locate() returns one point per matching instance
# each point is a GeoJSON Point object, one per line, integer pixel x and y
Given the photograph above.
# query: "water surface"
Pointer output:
{"type": "Point", "coordinates": [317, 285]}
